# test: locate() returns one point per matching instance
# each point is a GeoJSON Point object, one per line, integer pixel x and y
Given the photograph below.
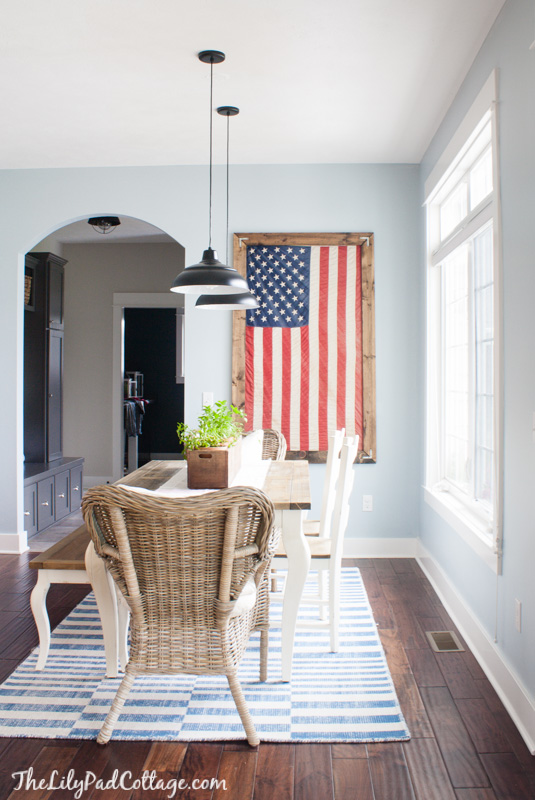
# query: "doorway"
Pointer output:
{"type": "Point", "coordinates": [154, 389]}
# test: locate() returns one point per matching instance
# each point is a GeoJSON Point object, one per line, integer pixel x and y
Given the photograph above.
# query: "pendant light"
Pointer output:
{"type": "Point", "coordinates": [209, 275]}
{"type": "Point", "coordinates": [227, 302]}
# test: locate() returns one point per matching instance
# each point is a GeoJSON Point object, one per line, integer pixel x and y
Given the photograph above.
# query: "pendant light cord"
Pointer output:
{"type": "Point", "coordinates": [210, 211]}
{"type": "Point", "coordinates": [228, 153]}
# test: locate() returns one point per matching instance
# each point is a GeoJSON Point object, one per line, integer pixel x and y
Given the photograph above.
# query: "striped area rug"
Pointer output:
{"type": "Point", "coordinates": [333, 697]}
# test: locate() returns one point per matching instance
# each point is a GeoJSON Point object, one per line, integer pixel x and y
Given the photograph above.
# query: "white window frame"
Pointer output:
{"type": "Point", "coordinates": [460, 513]}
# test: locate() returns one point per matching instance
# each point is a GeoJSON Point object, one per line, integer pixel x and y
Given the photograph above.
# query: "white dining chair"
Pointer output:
{"type": "Point", "coordinates": [322, 526]}
{"type": "Point", "coordinates": [326, 552]}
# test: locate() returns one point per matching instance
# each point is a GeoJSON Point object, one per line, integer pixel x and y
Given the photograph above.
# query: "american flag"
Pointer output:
{"type": "Point", "coordinates": [303, 345]}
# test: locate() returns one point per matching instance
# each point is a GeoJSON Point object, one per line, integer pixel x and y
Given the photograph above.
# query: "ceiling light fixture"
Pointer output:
{"type": "Point", "coordinates": [210, 276]}
{"type": "Point", "coordinates": [104, 224]}
{"type": "Point", "coordinates": [241, 300]}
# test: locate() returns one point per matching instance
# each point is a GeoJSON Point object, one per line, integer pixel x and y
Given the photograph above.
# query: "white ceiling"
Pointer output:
{"type": "Point", "coordinates": [117, 82]}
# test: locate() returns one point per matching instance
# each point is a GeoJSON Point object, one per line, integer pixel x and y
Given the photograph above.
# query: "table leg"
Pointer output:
{"type": "Point", "coordinates": [40, 615]}
{"type": "Point", "coordinates": [107, 607]}
{"type": "Point", "coordinates": [298, 555]}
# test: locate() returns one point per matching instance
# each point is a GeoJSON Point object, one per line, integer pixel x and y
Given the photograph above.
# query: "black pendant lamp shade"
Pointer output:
{"type": "Point", "coordinates": [210, 276]}
{"type": "Point", "coordinates": [227, 302]}
{"type": "Point", "coordinates": [243, 299]}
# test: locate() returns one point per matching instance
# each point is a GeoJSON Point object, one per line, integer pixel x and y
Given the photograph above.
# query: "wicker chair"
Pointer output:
{"type": "Point", "coordinates": [273, 445]}
{"type": "Point", "coordinates": [194, 573]}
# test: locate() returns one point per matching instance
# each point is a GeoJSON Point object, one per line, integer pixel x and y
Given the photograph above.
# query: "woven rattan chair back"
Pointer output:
{"type": "Point", "coordinates": [193, 572]}
{"type": "Point", "coordinates": [273, 445]}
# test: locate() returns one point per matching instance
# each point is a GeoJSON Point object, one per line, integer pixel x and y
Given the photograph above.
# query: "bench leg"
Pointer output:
{"type": "Point", "coordinates": [107, 607]}
{"type": "Point", "coordinates": [40, 615]}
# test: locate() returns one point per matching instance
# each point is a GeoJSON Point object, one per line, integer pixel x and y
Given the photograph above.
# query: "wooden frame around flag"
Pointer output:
{"type": "Point", "coordinates": [338, 276]}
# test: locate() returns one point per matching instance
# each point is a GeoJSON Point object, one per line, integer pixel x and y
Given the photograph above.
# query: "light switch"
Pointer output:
{"type": "Point", "coordinates": [207, 399]}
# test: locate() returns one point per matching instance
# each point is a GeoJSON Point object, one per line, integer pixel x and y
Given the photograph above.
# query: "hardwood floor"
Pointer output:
{"type": "Point", "coordinates": [464, 745]}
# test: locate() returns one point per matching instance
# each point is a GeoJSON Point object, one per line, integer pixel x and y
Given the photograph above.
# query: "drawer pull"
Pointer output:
{"type": "Point", "coordinates": [27, 513]}
{"type": "Point", "coordinates": [61, 495]}
{"type": "Point", "coordinates": [76, 488]}
{"type": "Point", "coordinates": [45, 503]}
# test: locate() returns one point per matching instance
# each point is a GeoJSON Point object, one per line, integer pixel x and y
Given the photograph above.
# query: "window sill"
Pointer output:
{"type": "Point", "coordinates": [472, 530]}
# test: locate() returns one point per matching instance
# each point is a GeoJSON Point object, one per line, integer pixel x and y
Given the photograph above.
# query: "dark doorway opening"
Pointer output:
{"type": "Point", "coordinates": [150, 348]}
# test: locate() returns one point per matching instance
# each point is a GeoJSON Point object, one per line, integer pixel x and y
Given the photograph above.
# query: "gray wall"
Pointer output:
{"type": "Point", "coordinates": [92, 275]}
{"type": "Point", "coordinates": [506, 48]}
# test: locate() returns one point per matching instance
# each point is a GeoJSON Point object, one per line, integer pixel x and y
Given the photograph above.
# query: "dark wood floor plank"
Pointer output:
{"type": "Point", "coordinates": [457, 749]}
{"type": "Point", "coordinates": [91, 757]}
{"type": "Point", "coordinates": [382, 613]}
{"type": "Point", "coordinates": [395, 654]}
{"type": "Point", "coordinates": [164, 759]}
{"type": "Point", "coordinates": [313, 772]}
{"type": "Point", "coordinates": [509, 729]}
{"type": "Point", "coordinates": [457, 675]}
{"type": "Point", "coordinates": [483, 728]}
{"type": "Point", "coordinates": [349, 751]}
{"type": "Point", "coordinates": [201, 761]}
{"type": "Point", "coordinates": [410, 632]}
{"type": "Point", "coordinates": [351, 778]}
{"type": "Point", "coordinates": [411, 704]}
{"type": "Point", "coordinates": [123, 757]}
{"type": "Point", "coordinates": [237, 769]}
{"type": "Point", "coordinates": [17, 757]}
{"type": "Point", "coordinates": [425, 668]}
{"type": "Point", "coordinates": [37, 786]}
{"type": "Point", "coordinates": [403, 566]}
{"type": "Point", "coordinates": [389, 772]}
{"type": "Point", "coordinates": [428, 772]}
{"type": "Point", "coordinates": [475, 794]}
{"type": "Point", "coordinates": [274, 772]}
{"type": "Point", "coordinates": [507, 777]}
{"type": "Point", "coordinates": [383, 568]}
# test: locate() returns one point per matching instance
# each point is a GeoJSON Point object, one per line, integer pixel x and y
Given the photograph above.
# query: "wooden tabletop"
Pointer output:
{"type": "Point", "coordinates": [287, 482]}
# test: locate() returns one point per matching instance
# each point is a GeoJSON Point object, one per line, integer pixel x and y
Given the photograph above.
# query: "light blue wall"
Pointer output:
{"type": "Point", "coordinates": [383, 199]}
{"type": "Point", "coordinates": [507, 49]}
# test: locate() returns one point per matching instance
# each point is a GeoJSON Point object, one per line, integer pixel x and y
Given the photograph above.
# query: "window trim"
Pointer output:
{"type": "Point", "coordinates": [456, 513]}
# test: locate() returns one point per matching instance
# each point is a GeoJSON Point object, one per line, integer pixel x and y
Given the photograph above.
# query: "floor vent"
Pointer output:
{"type": "Point", "coordinates": [444, 642]}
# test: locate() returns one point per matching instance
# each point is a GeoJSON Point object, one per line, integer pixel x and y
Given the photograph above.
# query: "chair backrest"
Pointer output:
{"type": "Point", "coordinates": [343, 492]}
{"type": "Point", "coordinates": [273, 445]}
{"type": "Point", "coordinates": [172, 558]}
{"type": "Point", "coordinates": [332, 470]}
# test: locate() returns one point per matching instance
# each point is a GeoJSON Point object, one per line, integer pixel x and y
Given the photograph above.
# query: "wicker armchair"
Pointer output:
{"type": "Point", "coordinates": [273, 445]}
{"type": "Point", "coordinates": [194, 573]}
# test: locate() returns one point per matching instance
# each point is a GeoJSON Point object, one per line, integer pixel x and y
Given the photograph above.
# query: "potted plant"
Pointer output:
{"type": "Point", "coordinates": [213, 448]}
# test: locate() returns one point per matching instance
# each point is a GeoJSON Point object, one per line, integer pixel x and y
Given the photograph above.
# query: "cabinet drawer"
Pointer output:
{"type": "Point", "coordinates": [30, 509]}
{"type": "Point", "coordinates": [62, 493]}
{"type": "Point", "coordinates": [76, 488]}
{"type": "Point", "coordinates": [45, 503]}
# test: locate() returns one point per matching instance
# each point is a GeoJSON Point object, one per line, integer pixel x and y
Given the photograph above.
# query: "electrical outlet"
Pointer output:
{"type": "Point", "coordinates": [367, 502]}
{"type": "Point", "coordinates": [518, 615]}
{"type": "Point", "coordinates": [207, 399]}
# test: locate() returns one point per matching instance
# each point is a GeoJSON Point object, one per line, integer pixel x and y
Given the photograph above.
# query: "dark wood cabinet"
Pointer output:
{"type": "Point", "coordinates": [52, 483]}
{"type": "Point", "coordinates": [43, 359]}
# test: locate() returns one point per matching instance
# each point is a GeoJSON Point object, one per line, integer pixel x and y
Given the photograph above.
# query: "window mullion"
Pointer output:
{"type": "Point", "coordinates": [472, 369]}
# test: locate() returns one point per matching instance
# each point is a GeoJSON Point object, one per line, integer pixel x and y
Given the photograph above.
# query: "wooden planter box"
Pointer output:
{"type": "Point", "coordinates": [213, 467]}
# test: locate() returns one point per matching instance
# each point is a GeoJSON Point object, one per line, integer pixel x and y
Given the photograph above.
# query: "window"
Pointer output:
{"type": "Point", "coordinates": [463, 480]}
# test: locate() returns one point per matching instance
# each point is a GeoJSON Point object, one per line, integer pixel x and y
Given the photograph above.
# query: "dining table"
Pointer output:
{"type": "Point", "coordinates": [286, 483]}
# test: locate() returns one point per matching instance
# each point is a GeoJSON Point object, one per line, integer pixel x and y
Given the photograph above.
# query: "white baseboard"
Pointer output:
{"type": "Point", "coordinates": [380, 548]}
{"type": "Point", "coordinates": [507, 684]}
{"type": "Point", "coordinates": [13, 543]}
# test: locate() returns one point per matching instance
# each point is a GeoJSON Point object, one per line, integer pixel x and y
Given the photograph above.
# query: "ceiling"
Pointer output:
{"type": "Point", "coordinates": [98, 83]}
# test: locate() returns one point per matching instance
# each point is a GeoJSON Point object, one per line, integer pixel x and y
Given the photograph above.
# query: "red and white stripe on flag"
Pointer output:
{"type": "Point", "coordinates": [307, 381]}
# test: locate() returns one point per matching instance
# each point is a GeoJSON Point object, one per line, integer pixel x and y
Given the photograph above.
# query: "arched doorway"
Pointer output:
{"type": "Point", "coordinates": [135, 259]}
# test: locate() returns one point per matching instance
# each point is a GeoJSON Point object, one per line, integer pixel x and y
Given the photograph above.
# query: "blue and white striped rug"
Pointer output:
{"type": "Point", "coordinates": [333, 697]}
